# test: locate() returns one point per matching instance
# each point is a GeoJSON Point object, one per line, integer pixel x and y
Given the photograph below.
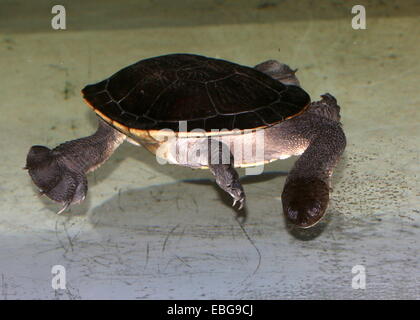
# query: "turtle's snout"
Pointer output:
{"type": "Point", "coordinates": [305, 201]}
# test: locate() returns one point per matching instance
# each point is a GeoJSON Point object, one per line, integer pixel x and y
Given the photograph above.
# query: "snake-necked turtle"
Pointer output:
{"type": "Point", "coordinates": [183, 92]}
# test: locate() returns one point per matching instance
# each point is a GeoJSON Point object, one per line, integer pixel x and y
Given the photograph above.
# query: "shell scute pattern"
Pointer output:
{"type": "Point", "coordinates": [159, 92]}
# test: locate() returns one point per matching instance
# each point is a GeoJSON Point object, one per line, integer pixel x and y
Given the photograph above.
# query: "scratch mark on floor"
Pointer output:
{"type": "Point", "coordinates": [167, 237]}
{"type": "Point", "coordinates": [253, 244]}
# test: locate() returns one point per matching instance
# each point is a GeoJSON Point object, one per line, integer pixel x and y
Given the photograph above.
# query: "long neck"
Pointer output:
{"type": "Point", "coordinates": [318, 140]}
{"type": "Point", "coordinates": [326, 143]}
{"type": "Point", "coordinates": [305, 195]}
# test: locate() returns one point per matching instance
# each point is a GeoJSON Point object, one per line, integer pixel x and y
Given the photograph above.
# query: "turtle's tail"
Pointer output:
{"type": "Point", "coordinates": [54, 178]}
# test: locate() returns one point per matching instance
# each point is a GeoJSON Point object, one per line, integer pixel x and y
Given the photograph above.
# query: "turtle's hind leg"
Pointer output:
{"type": "Point", "coordinates": [221, 165]}
{"type": "Point", "coordinates": [60, 173]}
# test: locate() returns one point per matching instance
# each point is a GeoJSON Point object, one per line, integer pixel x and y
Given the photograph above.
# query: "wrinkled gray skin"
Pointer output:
{"type": "Point", "coordinates": [316, 135]}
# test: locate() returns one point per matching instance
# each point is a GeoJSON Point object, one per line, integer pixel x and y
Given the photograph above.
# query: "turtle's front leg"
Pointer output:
{"type": "Point", "coordinates": [279, 71]}
{"type": "Point", "coordinates": [60, 173]}
{"type": "Point", "coordinates": [221, 165]}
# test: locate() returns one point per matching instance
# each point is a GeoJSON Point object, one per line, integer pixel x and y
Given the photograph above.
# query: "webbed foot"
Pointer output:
{"type": "Point", "coordinates": [55, 178]}
{"type": "Point", "coordinates": [228, 179]}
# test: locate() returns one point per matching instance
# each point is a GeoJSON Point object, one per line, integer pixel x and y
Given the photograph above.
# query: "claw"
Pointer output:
{"type": "Point", "coordinates": [241, 203]}
{"type": "Point", "coordinates": [66, 205]}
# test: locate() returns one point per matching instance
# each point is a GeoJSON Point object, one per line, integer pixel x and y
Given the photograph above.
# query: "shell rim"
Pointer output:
{"type": "Point", "coordinates": [161, 132]}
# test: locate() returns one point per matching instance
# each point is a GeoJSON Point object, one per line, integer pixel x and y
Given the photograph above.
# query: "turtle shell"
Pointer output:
{"type": "Point", "coordinates": [207, 93]}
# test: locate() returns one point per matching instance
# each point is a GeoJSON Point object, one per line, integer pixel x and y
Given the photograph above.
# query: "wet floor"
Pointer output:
{"type": "Point", "coordinates": [149, 231]}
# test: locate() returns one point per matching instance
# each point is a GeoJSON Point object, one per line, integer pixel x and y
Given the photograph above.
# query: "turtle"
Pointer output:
{"type": "Point", "coordinates": [202, 107]}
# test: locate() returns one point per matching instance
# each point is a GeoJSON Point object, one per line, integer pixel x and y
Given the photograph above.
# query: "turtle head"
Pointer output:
{"type": "Point", "coordinates": [54, 178]}
{"type": "Point", "coordinates": [305, 201]}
